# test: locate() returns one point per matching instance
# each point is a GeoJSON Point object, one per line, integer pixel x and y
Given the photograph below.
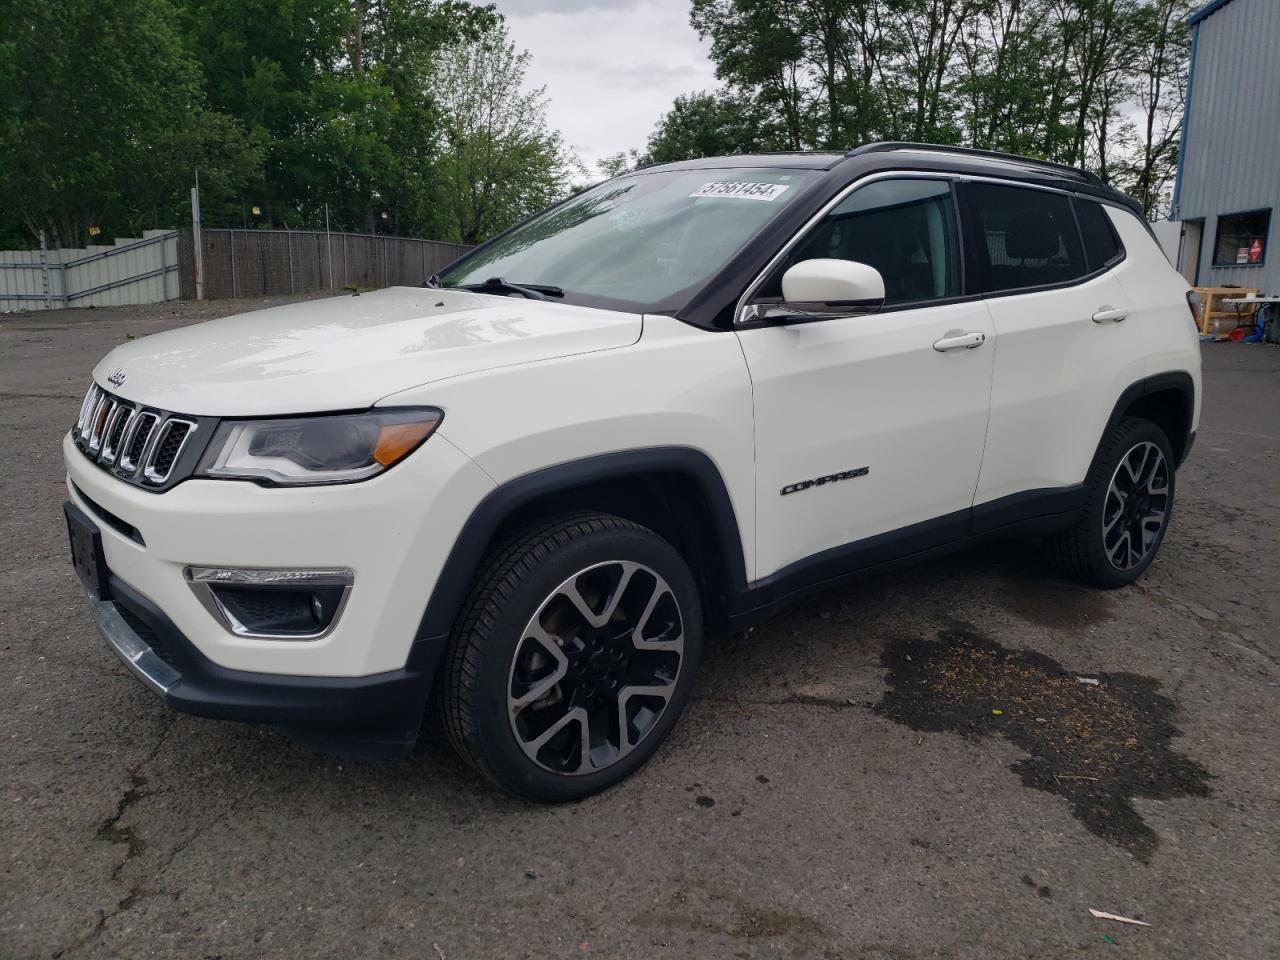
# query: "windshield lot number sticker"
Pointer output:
{"type": "Point", "coordinates": [742, 191]}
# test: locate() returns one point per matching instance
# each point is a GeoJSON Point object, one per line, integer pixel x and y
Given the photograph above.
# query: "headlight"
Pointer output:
{"type": "Point", "coordinates": [339, 448]}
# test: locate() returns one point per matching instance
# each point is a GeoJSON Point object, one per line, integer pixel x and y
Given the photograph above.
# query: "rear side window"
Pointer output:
{"type": "Point", "coordinates": [1027, 237]}
{"type": "Point", "coordinates": [1101, 245]}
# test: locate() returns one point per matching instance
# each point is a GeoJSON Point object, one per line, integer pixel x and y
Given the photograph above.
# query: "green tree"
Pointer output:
{"type": "Point", "coordinates": [340, 91]}
{"type": "Point", "coordinates": [1000, 78]}
{"type": "Point", "coordinates": [499, 161]}
{"type": "Point", "coordinates": [105, 122]}
{"type": "Point", "coordinates": [616, 164]}
{"type": "Point", "coordinates": [13, 231]}
{"type": "Point", "coordinates": [847, 43]}
{"type": "Point", "coordinates": [929, 32]}
{"type": "Point", "coordinates": [1094, 83]}
{"type": "Point", "coordinates": [759, 50]}
{"type": "Point", "coordinates": [1160, 64]}
{"type": "Point", "coordinates": [708, 125]}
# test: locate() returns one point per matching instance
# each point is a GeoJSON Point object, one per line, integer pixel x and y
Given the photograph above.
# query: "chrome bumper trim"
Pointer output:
{"type": "Point", "coordinates": [131, 649]}
{"type": "Point", "coordinates": [202, 580]}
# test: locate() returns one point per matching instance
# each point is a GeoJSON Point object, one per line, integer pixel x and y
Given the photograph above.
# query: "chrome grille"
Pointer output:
{"type": "Point", "coordinates": [90, 399]}
{"type": "Point", "coordinates": [138, 444]}
{"type": "Point", "coordinates": [171, 437]}
{"type": "Point", "coordinates": [101, 415]}
{"type": "Point", "coordinates": [116, 427]}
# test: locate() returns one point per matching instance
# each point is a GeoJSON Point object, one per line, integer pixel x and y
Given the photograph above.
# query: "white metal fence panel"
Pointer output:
{"type": "Point", "coordinates": [141, 270]}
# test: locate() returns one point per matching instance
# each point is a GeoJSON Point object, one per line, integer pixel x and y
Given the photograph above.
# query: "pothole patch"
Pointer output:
{"type": "Point", "coordinates": [1096, 745]}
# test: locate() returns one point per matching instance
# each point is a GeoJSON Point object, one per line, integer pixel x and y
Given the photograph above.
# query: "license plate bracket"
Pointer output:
{"type": "Point", "coordinates": [86, 552]}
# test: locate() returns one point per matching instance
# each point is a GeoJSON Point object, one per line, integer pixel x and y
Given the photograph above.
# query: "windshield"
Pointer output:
{"type": "Point", "coordinates": [646, 242]}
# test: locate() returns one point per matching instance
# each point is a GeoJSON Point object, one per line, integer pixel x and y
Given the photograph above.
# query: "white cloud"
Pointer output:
{"type": "Point", "coordinates": [611, 69]}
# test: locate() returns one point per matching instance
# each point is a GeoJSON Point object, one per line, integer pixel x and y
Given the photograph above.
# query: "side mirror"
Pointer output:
{"type": "Point", "coordinates": [825, 288]}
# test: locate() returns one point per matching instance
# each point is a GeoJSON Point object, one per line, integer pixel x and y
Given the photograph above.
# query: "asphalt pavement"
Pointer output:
{"type": "Point", "coordinates": [912, 766]}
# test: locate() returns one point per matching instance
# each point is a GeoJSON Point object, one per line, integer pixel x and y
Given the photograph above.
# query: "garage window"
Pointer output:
{"type": "Point", "coordinates": [1242, 239]}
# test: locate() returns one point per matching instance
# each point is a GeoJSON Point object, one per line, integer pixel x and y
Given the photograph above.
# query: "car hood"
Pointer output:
{"type": "Point", "coordinates": [348, 352]}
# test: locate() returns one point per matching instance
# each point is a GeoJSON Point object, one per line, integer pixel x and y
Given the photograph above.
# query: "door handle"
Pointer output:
{"type": "Point", "coordinates": [961, 341]}
{"type": "Point", "coordinates": [1108, 314]}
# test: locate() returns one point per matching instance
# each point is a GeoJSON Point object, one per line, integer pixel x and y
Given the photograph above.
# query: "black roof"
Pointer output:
{"type": "Point", "coordinates": [795, 160]}
{"type": "Point", "coordinates": [1009, 162]}
{"type": "Point", "coordinates": [872, 157]}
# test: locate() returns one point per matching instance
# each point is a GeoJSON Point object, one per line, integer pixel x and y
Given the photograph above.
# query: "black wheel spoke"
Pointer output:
{"type": "Point", "coordinates": [597, 665]}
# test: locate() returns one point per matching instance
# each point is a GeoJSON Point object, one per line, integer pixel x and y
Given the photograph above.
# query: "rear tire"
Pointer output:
{"type": "Point", "coordinates": [573, 657]}
{"type": "Point", "coordinates": [1129, 507]}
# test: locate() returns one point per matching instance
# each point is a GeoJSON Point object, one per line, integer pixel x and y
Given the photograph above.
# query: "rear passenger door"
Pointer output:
{"type": "Point", "coordinates": [1065, 349]}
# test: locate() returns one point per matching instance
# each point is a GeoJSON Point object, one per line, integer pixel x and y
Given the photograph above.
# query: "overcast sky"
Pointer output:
{"type": "Point", "coordinates": [611, 67]}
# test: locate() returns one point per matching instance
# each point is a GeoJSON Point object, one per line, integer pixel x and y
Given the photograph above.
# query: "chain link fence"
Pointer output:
{"type": "Point", "coordinates": [252, 263]}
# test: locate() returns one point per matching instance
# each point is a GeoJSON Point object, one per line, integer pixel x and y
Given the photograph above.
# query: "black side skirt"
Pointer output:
{"type": "Point", "coordinates": [1031, 513]}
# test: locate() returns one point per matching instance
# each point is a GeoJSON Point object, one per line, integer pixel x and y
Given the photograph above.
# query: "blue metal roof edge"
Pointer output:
{"type": "Point", "coordinates": [1211, 7]}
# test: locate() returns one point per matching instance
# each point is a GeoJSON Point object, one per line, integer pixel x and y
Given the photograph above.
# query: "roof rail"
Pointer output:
{"type": "Point", "coordinates": [1086, 175]}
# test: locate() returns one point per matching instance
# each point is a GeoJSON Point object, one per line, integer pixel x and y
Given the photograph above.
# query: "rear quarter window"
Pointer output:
{"type": "Point", "coordinates": [1102, 246]}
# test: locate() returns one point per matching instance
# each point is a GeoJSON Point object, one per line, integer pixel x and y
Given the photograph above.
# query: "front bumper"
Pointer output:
{"type": "Point", "coordinates": [376, 715]}
{"type": "Point", "coordinates": [394, 533]}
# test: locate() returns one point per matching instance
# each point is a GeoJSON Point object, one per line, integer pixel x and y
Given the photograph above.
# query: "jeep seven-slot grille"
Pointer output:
{"type": "Point", "coordinates": [141, 445]}
{"type": "Point", "coordinates": [172, 436]}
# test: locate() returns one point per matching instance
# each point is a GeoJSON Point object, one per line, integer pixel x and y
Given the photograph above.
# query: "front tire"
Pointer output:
{"type": "Point", "coordinates": [1127, 515]}
{"type": "Point", "coordinates": [573, 657]}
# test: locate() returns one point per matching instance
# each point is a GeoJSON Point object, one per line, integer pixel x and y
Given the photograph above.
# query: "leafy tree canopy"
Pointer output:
{"type": "Point", "coordinates": [499, 163]}
{"type": "Point", "coordinates": [1093, 83]}
{"type": "Point", "coordinates": [712, 124]}
{"type": "Point", "coordinates": [378, 111]}
{"type": "Point", "coordinates": [104, 120]}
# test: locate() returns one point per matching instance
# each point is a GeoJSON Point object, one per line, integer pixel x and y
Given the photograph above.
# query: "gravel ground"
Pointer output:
{"type": "Point", "coordinates": [905, 768]}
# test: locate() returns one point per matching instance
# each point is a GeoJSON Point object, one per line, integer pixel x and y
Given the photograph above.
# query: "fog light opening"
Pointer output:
{"type": "Point", "coordinates": [273, 604]}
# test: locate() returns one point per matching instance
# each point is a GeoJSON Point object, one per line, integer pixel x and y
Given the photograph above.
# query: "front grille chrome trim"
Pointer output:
{"type": "Point", "coordinates": [101, 417]}
{"type": "Point", "coordinates": [136, 443]}
{"type": "Point", "coordinates": [111, 450]}
{"type": "Point", "coordinates": [155, 442]}
{"type": "Point", "coordinates": [128, 464]}
{"type": "Point", "coordinates": [90, 398]}
{"type": "Point", "coordinates": [86, 428]}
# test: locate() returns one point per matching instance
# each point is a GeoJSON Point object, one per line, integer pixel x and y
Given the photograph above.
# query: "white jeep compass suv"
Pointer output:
{"type": "Point", "coordinates": [525, 491]}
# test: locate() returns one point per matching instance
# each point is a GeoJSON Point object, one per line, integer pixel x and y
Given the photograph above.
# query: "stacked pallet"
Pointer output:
{"type": "Point", "coordinates": [1218, 319]}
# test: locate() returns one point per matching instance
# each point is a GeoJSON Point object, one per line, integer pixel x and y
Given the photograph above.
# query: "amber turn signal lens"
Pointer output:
{"type": "Point", "coordinates": [397, 440]}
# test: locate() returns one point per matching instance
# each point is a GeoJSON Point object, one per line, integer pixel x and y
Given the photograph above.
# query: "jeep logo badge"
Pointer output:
{"type": "Point", "coordinates": [117, 377]}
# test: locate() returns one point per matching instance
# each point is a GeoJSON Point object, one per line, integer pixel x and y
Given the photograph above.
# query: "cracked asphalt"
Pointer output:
{"type": "Point", "coordinates": [908, 767]}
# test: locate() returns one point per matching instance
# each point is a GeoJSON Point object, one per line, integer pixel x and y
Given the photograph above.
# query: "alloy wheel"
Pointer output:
{"type": "Point", "coordinates": [1136, 508]}
{"type": "Point", "coordinates": [595, 668]}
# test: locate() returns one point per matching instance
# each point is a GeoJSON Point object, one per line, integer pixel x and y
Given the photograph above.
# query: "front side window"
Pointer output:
{"type": "Point", "coordinates": [1242, 239]}
{"type": "Point", "coordinates": [904, 228]}
{"type": "Point", "coordinates": [1028, 237]}
{"type": "Point", "coordinates": [645, 242]}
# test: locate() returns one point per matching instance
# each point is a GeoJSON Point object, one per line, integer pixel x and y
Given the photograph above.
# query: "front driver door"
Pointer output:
{"type": "Point", "coordinates": [870, 424]}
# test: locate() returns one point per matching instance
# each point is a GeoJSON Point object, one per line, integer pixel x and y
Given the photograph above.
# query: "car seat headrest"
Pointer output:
{"type": "Point", "coordinates": [1032, 236]}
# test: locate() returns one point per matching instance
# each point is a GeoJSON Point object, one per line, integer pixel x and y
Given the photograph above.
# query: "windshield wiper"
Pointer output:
{"type": "Point", "coordinates": [534, 291]}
